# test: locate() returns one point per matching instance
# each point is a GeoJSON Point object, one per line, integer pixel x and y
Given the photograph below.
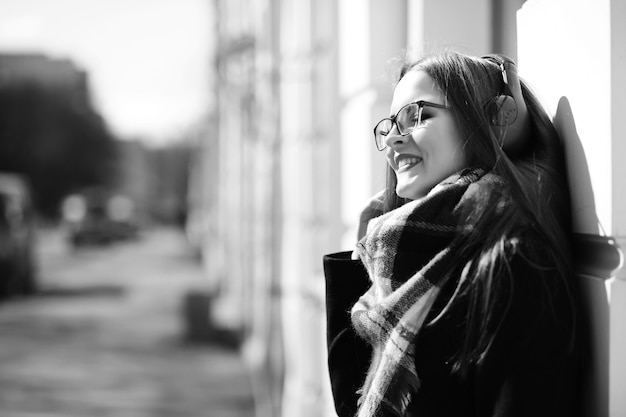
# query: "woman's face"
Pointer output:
{"type": "Point", "coordinates": [434, 150]}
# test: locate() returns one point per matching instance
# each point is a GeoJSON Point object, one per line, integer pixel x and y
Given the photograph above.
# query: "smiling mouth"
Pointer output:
{"type": "Point", "coordinates": [408, 162]}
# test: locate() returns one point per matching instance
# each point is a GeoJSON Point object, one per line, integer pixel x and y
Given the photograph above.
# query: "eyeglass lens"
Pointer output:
{"type": "Point", "coordinates": [407, 119]}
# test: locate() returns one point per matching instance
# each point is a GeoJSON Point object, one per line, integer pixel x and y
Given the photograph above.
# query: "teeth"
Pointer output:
{"type": "Point", "coordinates": [408, 161]}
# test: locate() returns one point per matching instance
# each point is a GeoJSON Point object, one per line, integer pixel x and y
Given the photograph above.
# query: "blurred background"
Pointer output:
{"type": "Point", "coordinates": [172, 172]}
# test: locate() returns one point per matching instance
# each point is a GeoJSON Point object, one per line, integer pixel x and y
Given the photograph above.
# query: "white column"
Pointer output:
{"type": "Point", "coordinates": [310, 195]}
{"type": "Point", "coordinates": [572, 53]}
{"type": "Point", "coordinates": [449, 24]}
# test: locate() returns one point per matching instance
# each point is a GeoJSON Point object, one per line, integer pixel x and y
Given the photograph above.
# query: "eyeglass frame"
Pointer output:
{"type": "Point", "coordinates": [420, 106]}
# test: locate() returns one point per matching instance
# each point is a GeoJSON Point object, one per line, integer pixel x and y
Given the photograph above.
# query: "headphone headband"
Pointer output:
{"type": "Point", "coordinates": [508, 112]}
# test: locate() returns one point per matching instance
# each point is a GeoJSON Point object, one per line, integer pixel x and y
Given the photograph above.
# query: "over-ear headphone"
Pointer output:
{"type": "Point", "coordinates": [508, 112]}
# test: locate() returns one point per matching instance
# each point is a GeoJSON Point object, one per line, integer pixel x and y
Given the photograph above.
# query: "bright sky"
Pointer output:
{"type": "Point", "coordinates": [148, 60]}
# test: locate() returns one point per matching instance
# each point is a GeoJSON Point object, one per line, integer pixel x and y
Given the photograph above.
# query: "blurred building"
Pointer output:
{"type": "Point", "coordinates": [287, 161]}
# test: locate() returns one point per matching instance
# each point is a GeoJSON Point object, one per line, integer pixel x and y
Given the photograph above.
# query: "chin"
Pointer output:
{"type": "Point", "coordinates": [409, 192]}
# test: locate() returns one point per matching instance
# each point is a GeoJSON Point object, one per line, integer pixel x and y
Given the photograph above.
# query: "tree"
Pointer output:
{"type": "Point", "coordinates": [57, 142]}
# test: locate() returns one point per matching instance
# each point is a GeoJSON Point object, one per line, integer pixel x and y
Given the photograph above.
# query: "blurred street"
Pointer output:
{"type": "Point", "coordinates": [107, 337]}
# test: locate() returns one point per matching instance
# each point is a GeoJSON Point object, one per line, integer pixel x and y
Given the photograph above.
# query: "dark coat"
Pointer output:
{"type": "Point", "coordinates": [531, 369]}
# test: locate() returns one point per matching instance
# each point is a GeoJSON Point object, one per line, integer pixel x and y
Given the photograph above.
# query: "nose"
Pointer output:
{"type": "Point", "coordinates": [394, 138]}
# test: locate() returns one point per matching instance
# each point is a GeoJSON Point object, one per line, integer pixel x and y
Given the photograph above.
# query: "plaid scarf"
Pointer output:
{"type": "Point", "coordinates": [408, 253]}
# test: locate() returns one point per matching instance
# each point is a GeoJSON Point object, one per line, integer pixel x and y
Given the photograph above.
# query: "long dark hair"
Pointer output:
{"type": "Point", "coordinates": [537, 188]}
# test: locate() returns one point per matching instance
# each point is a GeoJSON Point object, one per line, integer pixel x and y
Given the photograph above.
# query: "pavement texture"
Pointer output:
{"type": "Point", "coordinates": [109, 335]}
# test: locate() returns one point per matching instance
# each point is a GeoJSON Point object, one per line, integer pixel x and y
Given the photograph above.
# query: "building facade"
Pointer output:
{"type": "Point", "coordinates": [287, 161]}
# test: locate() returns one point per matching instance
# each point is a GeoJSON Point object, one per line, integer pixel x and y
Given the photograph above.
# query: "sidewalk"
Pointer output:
{"type": "Point", "coordinates": [107, 337]}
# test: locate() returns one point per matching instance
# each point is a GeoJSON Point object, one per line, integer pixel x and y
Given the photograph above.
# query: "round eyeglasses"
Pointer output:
{"type": "Point", "coordinates": [406, 119]}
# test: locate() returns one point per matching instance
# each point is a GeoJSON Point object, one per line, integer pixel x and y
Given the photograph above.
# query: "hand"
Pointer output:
{"type": "Point", "coordinates": [374, 208]}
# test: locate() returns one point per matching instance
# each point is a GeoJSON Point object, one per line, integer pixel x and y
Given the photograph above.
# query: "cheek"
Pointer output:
{"type": "Point", "coordinates": [452, 148]}
{"type": "Point", "coordinates": [455, 153]}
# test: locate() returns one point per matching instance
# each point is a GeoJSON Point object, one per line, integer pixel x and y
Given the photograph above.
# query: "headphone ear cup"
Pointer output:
{"type": "Point", "coordinates": [502, 110]}
{"type": "Point", "coordinates": [510, 120]}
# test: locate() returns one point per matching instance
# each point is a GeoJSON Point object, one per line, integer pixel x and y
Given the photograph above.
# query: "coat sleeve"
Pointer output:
{"type": "Point", "coordinates": [348, 354]}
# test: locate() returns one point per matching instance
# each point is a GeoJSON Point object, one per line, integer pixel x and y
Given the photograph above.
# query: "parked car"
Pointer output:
{"type": "Point", "coordinates": [98, 216]}
{"type": "Point", "coordinates": [17, 237]}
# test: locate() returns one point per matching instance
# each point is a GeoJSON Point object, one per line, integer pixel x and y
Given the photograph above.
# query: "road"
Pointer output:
{"type": "Point", "coordinates": [107, 337]}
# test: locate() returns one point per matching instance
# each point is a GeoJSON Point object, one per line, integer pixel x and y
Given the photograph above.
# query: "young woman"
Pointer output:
{"type": "Point", "coordinates": [460, 299]}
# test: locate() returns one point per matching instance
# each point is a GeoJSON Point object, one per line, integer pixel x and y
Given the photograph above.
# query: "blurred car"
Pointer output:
{"type": "Point", "coordinates": [17, 237]}
{"type": "Point", "coordinates": [97, 216]}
